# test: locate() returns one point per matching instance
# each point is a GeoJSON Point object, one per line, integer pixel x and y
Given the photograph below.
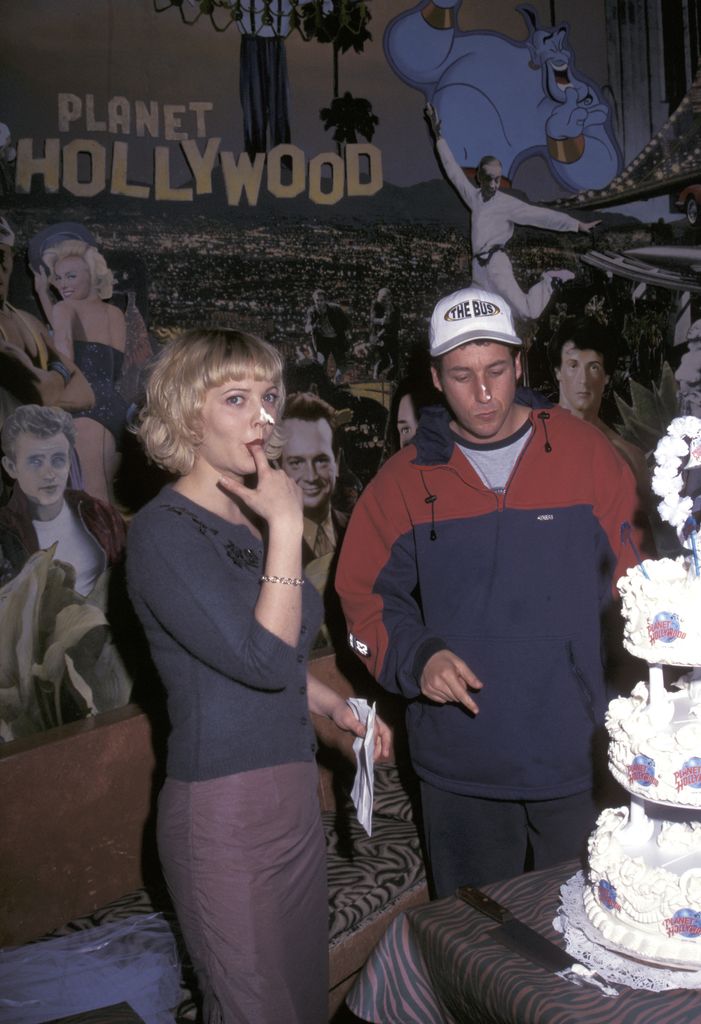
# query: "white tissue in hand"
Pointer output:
{"type": "Point", "coordinates": [364, 747]}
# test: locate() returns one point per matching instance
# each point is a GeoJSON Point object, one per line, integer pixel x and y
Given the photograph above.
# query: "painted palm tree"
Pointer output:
{"type": "Point", "coordinates": [343, 23]}
{"type": "Point", "coordinates": [349, 117]}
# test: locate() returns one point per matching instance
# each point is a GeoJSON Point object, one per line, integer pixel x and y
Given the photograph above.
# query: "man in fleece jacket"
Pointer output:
{"type": "Point", "coordinates": [474, 576]}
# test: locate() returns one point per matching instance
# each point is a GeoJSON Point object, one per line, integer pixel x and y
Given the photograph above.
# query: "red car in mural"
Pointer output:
{"type": "Point", "coordinates": [689, 200]}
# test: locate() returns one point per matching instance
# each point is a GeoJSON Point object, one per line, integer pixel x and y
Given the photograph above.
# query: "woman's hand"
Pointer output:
{"type": "Point", "coordinates": [41, 287]}
{"type": "Point", "coordinates": [323, 700]}
{"type": "Point", "coordinates": [346, 719]}
{"type": "Point", "coordinates": [41, 282]}
{"type": "Point", "coordinates": [276, 498]}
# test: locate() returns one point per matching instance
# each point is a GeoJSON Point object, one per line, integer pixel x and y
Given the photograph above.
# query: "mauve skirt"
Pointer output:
{"type": "Point", "coordinates": [244, 858]}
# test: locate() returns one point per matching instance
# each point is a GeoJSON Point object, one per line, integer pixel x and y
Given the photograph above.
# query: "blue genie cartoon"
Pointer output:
{"type": "Point", "coordinates": [504, 97]}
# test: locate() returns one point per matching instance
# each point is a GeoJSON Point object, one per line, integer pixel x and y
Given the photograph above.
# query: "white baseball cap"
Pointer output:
{"type": "Point", "coordinates": [472, 314]}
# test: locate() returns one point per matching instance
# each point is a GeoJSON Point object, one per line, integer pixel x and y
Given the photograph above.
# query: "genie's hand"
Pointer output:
{"type": "Point", "coordinates": [597, 113]}
{"type": "Point", "coordinates": [574, 115]}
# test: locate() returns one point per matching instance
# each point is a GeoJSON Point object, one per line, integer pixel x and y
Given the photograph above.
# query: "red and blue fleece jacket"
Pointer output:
{"type": "Point", "coordinates": [515, 583]}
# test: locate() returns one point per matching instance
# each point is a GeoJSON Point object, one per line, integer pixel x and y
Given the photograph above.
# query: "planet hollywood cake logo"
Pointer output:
{"type": "Point", "coordinates": [685, 922]}
{"type": "Point", "coordinates": [689, 774]}
{"type": "Point", "coordinates": [608, 897]}
{"type": "Point", "coordinates": [665, 628]}
{"type": "Point", "coordinates": [642, 770]}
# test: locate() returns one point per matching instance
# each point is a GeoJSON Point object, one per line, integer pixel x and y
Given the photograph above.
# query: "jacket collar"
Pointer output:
{"type": "Point", "coordinates": [19, 505]}
{"type": "Point", "coordinates": [434, 440]}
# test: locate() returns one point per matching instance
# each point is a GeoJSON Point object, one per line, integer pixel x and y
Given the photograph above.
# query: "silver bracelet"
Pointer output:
{"type": "Point", "coordinates": [293, 581]}
{"type": "Point", "coordinates": [58, 367]}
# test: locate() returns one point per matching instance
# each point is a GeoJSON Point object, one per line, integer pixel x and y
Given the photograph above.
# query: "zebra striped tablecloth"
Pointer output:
{"type": "Point", "coordinates": [437, 965]}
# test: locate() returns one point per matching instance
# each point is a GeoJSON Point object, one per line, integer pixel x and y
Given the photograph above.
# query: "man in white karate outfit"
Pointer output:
{"type": "Point", "coordinates": [494, 217]}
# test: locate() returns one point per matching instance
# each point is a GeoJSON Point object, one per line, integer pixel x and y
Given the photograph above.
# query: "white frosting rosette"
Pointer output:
{"type": "Point", "coordinates": [681, 444]}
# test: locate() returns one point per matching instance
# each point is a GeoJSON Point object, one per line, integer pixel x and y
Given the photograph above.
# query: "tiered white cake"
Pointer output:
{"type": "Point", "coordinates": [655, 748]}
{"type": "Point", "coordinates": [643, 890]}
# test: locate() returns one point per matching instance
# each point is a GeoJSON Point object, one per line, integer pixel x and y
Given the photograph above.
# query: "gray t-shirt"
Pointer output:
{"type": "Point", "coordinates": [75, 545]}
{"type": "Point", "coordinates": [494, 463]}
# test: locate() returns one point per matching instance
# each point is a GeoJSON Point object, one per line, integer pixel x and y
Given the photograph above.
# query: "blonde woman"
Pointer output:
{"type": "Point", "coordinates": [91, 332]}
{"type": "Point", "coordinates": [214, 567]}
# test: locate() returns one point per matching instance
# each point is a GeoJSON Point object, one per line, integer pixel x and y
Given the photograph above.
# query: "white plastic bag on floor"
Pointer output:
{"type": "Point", "coordinates": [134, 961]}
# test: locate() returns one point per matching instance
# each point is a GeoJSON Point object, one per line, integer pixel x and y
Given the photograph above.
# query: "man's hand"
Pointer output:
{"type": "Point", "coordinates": [588, 225]}
{"type": "Point", "coordinates": [447, 679]}
{"type": "Point", "coordinates": [433, 119]}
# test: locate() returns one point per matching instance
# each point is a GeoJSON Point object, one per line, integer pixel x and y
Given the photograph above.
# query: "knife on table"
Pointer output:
{"type": "Point", "coordinates": [530, 944]}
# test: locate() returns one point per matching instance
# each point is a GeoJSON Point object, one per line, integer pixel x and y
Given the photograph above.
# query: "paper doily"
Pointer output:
{"type": "Point", "coordinates": [585, 944]}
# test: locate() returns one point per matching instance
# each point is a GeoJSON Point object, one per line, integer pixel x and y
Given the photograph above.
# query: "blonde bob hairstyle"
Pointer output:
{"type": "Point", "coordinates": [184, 371]}
{"type": "Point", "coordinates": [100, 274]}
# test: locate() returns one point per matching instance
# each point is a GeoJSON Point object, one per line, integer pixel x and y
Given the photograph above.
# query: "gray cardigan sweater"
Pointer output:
{"type": "Point", "coordinates": [237, 695]}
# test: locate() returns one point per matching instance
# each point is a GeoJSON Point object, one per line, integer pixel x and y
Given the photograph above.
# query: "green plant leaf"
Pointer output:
{"type": "Point", "coordinates": [651, 411]}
